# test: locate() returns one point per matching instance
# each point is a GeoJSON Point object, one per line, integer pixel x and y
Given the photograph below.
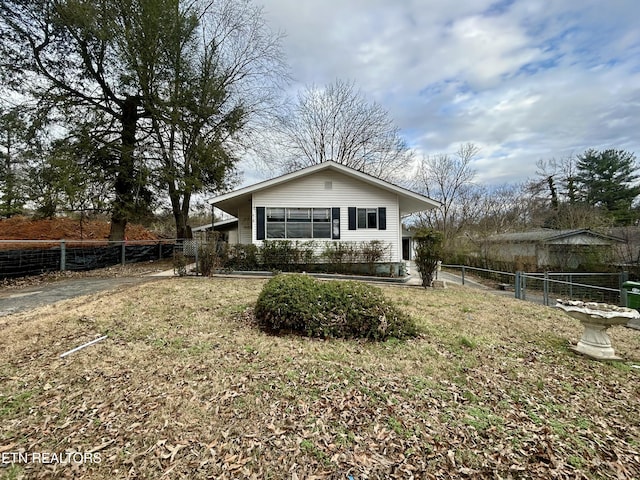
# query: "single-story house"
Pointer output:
{"type": "Point", "coordinates": [547, 248]}
{"type": "Point", "coordinates": [326, 202]}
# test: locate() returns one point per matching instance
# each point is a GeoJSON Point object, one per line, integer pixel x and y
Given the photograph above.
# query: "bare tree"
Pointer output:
{"type": "Point", "coordinates": [553, 199]}
{"type": "Point", "coordinates": [190, 67]}
{"type": "Point", "coordinates": [448, 179]}
{"type": "Point", "coordinates": [500, 210]}
{"type": "Point", "coordinates": [221, 82]}
{"type": "Point", "coordinates": [338, 123]}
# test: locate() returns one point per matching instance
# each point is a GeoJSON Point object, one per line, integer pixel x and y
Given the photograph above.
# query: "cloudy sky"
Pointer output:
{"type": "Point", "coordinates": [523, 79]}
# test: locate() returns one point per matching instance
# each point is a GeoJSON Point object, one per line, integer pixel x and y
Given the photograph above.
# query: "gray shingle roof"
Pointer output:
{"type": "Point", "coordinates": [546, 234]}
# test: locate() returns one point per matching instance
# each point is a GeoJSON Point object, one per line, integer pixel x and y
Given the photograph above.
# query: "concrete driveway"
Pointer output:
{"type": "Point", "coordinates": [13, 301]}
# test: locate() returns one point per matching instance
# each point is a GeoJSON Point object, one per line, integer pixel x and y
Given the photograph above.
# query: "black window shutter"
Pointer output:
{"type": "Point", "coordinates": [382, 218]}
{"type": "Point", "coordinates": [335, 223]}
{"type": "Point", "coordinates": [260, 224]}
{"type": "Point", "coordinates": [352, 218]}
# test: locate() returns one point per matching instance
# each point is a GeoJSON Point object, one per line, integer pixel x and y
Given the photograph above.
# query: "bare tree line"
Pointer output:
{"type": "Point", "coordinates": [593, 190]}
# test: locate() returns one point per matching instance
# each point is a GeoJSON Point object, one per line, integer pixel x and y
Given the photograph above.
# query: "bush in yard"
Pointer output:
{"type": "Point", "coordinates": [278, 255]}
{"type": "Point", "coordinates": [179, 263]}
{"type": "Point", "coordinates": [242, 257]}
{"type": "Point", "coordinates": [211, 256]}
{"type": "Point", "coordinates": [428, 253]}
{"type": "Point", "coordinates": [330, 309]}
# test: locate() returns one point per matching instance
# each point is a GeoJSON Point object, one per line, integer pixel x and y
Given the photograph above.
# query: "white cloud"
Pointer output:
{"type": "Point", "coordinates": [523, 79]}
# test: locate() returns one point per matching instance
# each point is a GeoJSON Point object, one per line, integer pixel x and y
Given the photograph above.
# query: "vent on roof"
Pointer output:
{"type": "Point", "coordinates": [328, 185]}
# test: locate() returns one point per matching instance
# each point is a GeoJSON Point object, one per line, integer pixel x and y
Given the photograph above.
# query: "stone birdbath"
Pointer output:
{"type": "Point", "coordinates": [596, 318]}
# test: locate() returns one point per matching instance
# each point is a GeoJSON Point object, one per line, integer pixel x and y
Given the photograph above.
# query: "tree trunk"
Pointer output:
{"type": "Point", "coordinates": [183, 230]}
{"type": "Point", "coordinates": [180, 211]}
{"type": "Point", "coordinates": [125, 175]}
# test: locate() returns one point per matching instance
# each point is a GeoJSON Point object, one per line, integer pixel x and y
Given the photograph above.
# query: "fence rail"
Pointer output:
{"type": "Point", "coordinates": [546, 287]}
{"type": "Point", "coordinates": [21, 258]}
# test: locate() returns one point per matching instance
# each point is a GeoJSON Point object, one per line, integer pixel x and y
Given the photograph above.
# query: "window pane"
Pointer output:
{"type": "Point", "coordinates": [275, 214]}
{"type": "Point", "coordinates": [275, 230]}
{"type": "Point", "coordinates": [298, 230]}
{"type": "Point", "coordinates": [321, 230]}
{"type": "Point", "coordinates": [321, 214]}
{"type": "Point", "coordinates": [372, 218]}
{"type": "Point", "coordinates": [362, 218]}
{"type": "Point", "coordinates": [298, 214]}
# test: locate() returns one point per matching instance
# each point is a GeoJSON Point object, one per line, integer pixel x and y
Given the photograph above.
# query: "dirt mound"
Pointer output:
{"type": "Point", "coordinates": [24, 228]}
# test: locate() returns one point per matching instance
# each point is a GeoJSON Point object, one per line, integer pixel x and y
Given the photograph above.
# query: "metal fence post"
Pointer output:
{"type": "Point", "coordinates": [545, 300]}
{"type": "Point", "coordinates": [624, 276]}
{"type": "Point", "coordinates": [570, 287]}
{"type": "Point", "coordinates": [123, 253]}
{"type": "Point", "coordinates": [462, 274]}
{"type": "Point", "coordinates": [63, 256]}
{"type": "Point", "coordinates": [516, 286]}
{"type": "Point", "coordinates": [197, 247]}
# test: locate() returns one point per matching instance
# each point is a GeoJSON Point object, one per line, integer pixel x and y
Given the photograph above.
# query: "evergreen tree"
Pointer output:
{"type": "Point", "coordinates": [14, 154]}
{"type": "Point", "coordinates": [608, 180]}
{"type": "Point", "coordinates": [71, 175]}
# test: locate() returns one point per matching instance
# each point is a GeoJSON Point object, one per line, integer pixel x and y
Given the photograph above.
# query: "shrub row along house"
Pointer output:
{"type": "Point", "coordinates": [328, 204]}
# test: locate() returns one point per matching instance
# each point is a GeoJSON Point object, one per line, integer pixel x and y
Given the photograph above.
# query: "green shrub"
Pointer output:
{"type": "Point", "coordinates": [330, 309]}
{"type": "Point", "coordinates": [278, 255]}
{"type": "Point", "coordinates": [179, 264]}
{"type": "Point", "coordinates": [307, 252]}
{"type": "Point", "coordinates": [211, 257]}
{"type": "Point", "coordinates": [340, 255]}
{"type": "Point", "coordinates": [372, 252]}
{"type": "Point", "coordinates": [428, 253]}
{"type": "Point", "coordinates": [242, 257]}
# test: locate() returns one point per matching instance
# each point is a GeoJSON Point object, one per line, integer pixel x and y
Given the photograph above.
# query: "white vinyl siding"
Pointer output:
{"type": "Point", "coordinates": [244, 224]}
{"type": "Point", "coordinates": [311, 192]}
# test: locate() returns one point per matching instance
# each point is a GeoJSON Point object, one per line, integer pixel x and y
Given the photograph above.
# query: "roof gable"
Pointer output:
{"type": "Point", "coordinates": [412, 201]}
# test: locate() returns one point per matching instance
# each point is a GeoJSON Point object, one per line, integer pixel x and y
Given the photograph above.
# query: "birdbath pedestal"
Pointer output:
{"type": "Point", "coordinates": [596, 318]}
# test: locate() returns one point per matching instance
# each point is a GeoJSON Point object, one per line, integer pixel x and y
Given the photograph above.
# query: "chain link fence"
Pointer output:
{"type": "Point", "coordinates": [21, 258]}
{"type": "Point", "coordinates": [546, 287]}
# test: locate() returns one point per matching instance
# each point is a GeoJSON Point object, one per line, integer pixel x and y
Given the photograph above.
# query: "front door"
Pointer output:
{"type": "Point", "coordinates": [406, 248]}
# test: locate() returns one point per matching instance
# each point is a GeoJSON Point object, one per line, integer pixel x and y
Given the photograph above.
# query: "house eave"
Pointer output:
{"type": "Point", "coordinates": [409, 202]}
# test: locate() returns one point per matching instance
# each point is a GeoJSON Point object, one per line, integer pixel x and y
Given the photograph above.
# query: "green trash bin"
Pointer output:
{"type": "Point", "coordinates": [633, 294]}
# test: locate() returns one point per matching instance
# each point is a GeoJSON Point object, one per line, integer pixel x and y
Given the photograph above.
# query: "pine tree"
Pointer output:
{"type": "Point", "coordinates": [608, 180]}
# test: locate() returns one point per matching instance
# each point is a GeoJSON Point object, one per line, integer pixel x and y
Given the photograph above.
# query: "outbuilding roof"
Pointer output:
{"type": "Point", "coordinates": [219, 224]}
{"type": "Point", "coordinates": [547, 235]}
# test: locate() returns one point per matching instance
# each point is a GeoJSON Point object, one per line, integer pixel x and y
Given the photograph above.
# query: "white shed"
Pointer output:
{"type": "Point", "coordinates": [547, 248]}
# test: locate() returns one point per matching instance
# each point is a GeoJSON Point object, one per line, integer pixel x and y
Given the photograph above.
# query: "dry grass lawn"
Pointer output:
{"type": "Point", "coordinates": [186, 386]}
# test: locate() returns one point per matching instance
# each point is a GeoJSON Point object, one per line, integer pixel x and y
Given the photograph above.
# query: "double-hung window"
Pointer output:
{"type": "Point", "coordinates": [276, 225]}
{"type": "Point", "coordinates": [367, 218]}
{"type": "Point", "coordinates": [298, 223]}
{"type": "Point", "coordinates": [321, 223]}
